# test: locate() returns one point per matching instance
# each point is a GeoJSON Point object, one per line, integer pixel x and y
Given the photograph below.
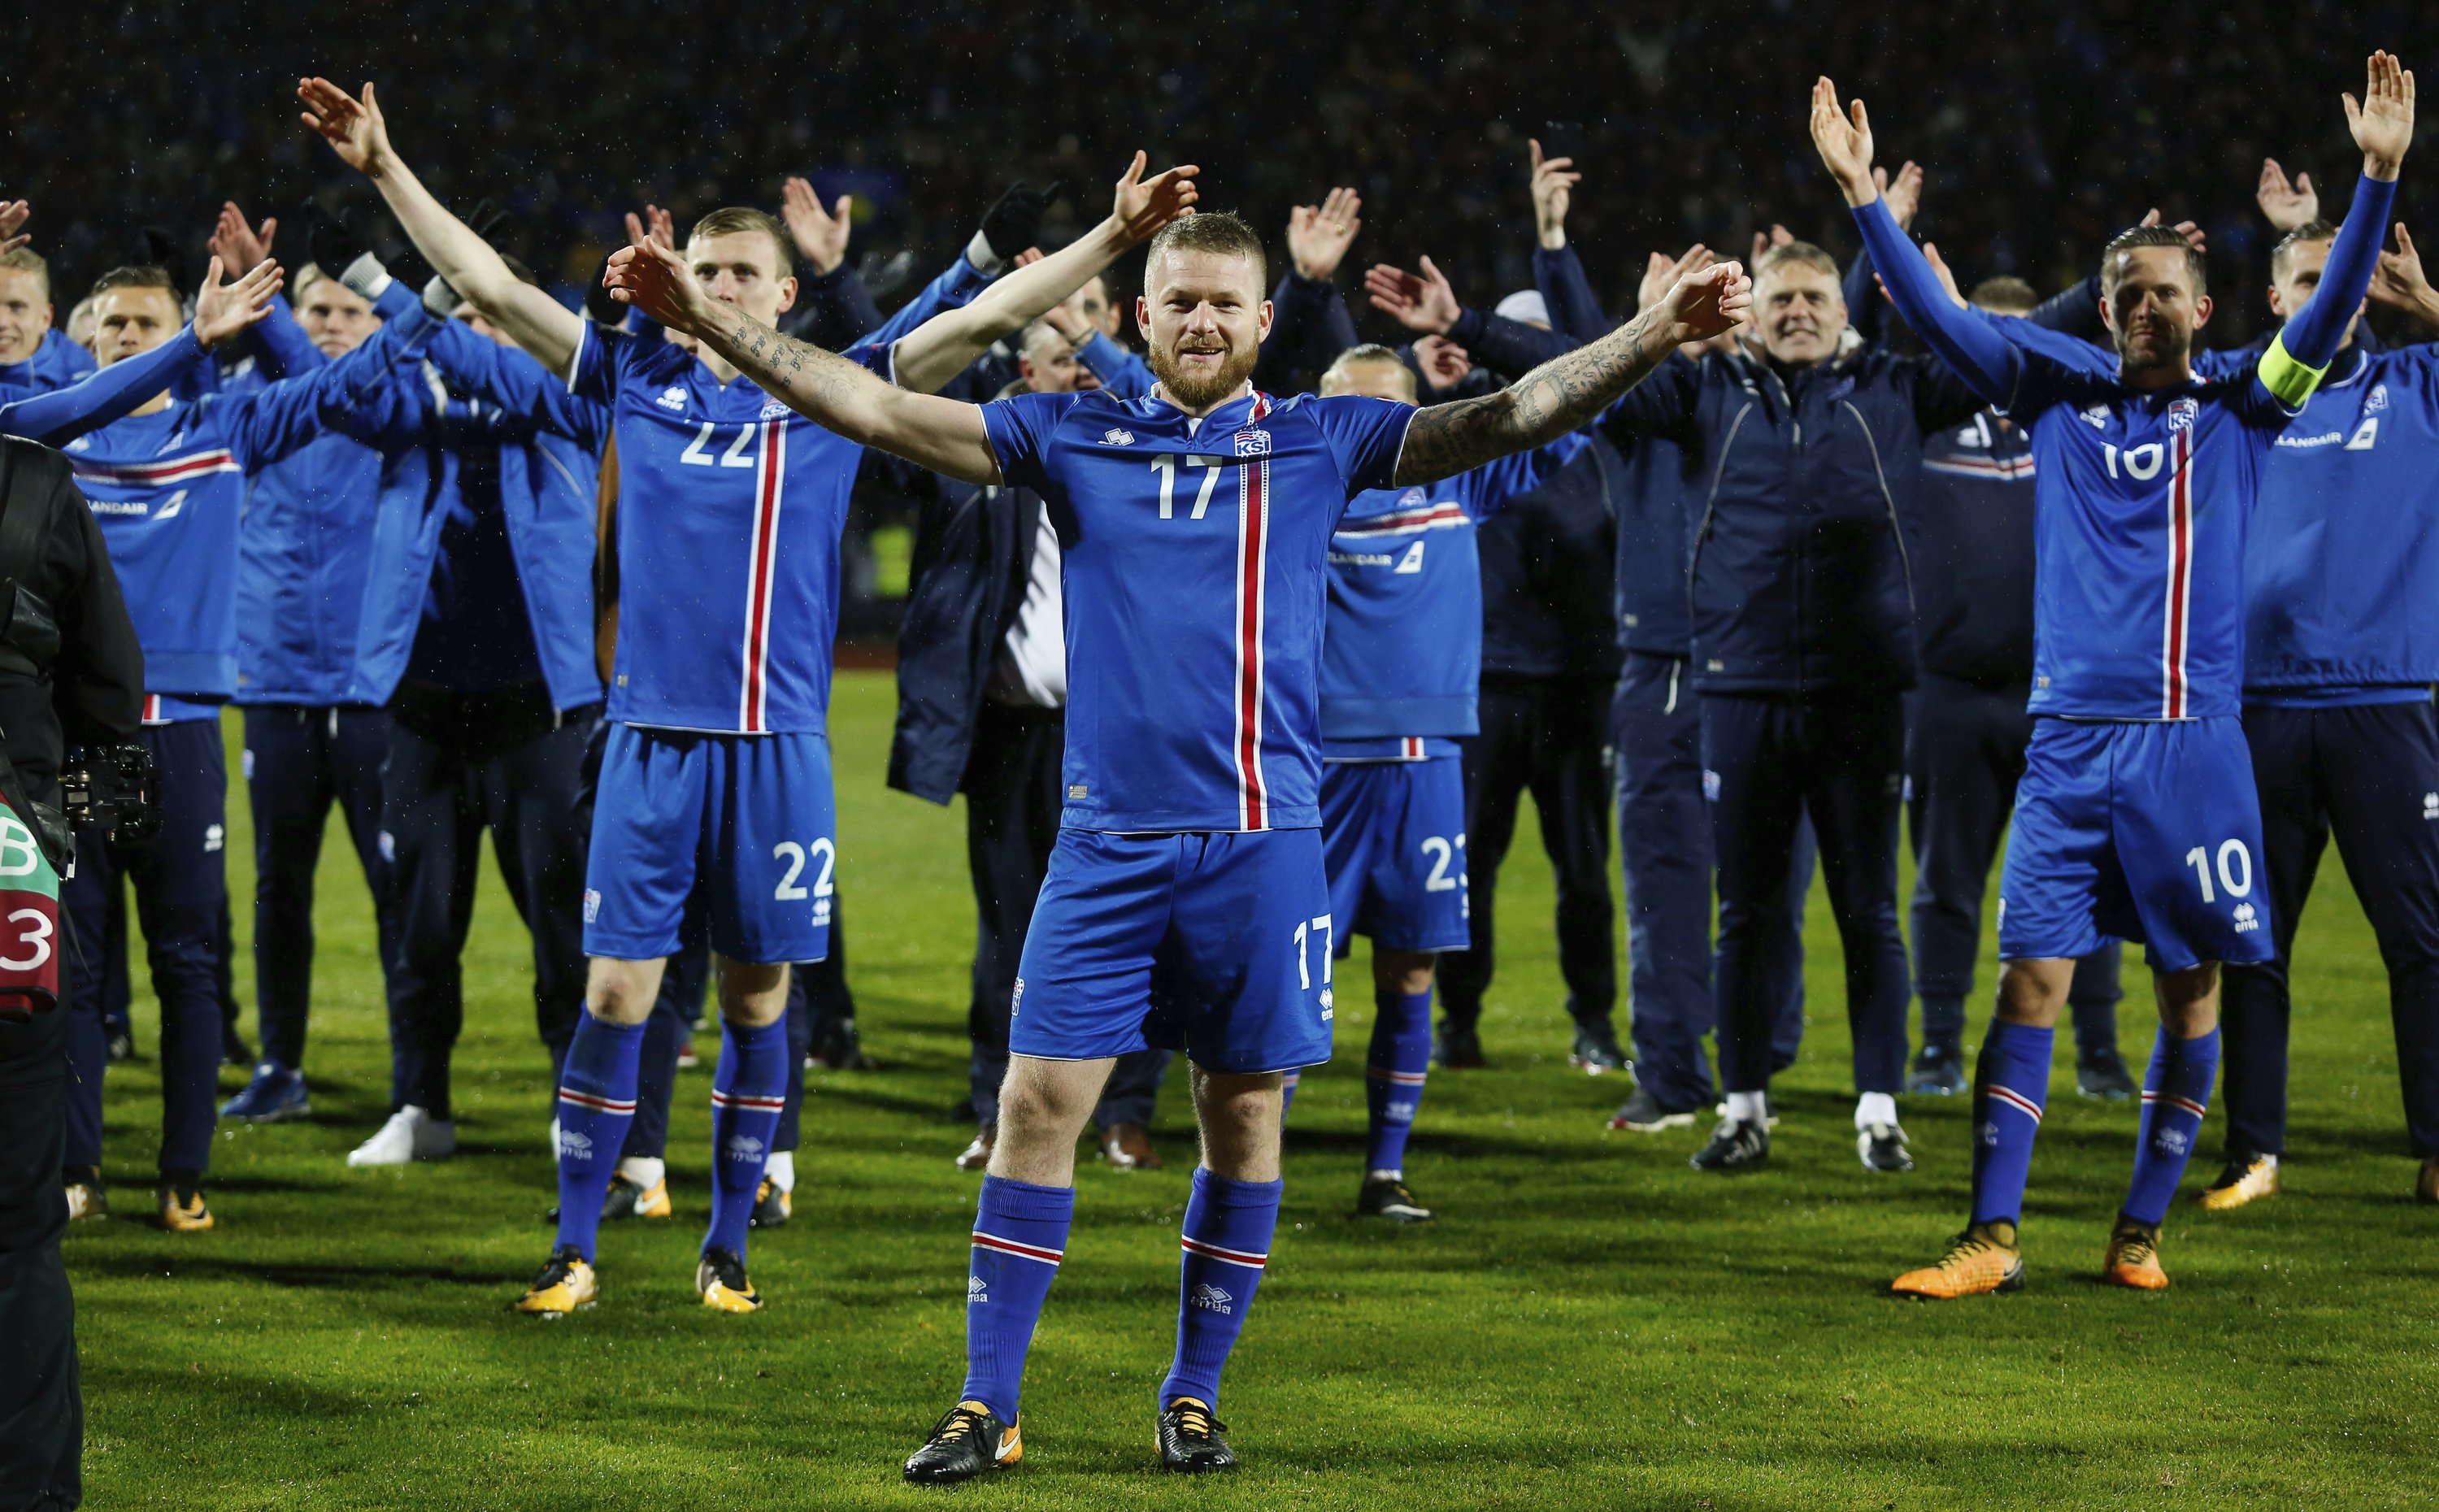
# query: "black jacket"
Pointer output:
{"type": "Point", "coordinates": [1805, 520]}
{"type": "Point", "coordinates": [973, 552]}
{"type": "Point", "coordinates": [71, 672]}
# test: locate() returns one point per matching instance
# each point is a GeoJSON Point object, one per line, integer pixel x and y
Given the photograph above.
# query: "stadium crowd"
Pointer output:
{"type": "Point", "coordinates": [1729, 566]}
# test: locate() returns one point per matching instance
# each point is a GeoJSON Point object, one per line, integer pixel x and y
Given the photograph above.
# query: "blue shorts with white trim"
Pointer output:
{"type": "Point", "coordinates": [1392, 838]}
{"type": "Point", "coordinates": [747, 816]}
{"type": "Point", "coordinates": [1216, 943]}
{"type": "Point", "coordinates": [2136, 830]}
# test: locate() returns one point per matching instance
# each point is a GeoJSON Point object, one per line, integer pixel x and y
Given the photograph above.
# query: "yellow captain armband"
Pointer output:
{"type": "Point", "coordinates": [2289, 381]}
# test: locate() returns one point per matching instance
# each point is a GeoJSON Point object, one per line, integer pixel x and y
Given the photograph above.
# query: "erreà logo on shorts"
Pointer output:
{"type": "Point", "coordinates": [1211, 1299]}
{"type": "Point", "coordinates": [1252, 443]}
{"type": "Point", "coordinates": [2247, 918]}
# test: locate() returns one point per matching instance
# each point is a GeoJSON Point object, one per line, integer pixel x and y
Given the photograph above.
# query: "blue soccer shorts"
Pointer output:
{"type": "Point", "coordinates": [2146, 831]}
{"type": "Point", "coordinates": [1216, 943]}
{"type": "Point", "coordinates": [1393, 839]}
{"type": "Point", "coordinates": [747, 818]}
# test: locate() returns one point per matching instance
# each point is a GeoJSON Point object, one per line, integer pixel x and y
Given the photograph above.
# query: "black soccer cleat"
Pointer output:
{"type": "Point", "coordinates": [1882, 1148]}
{"type": "Point", "coordinates": [1458, 1047]}
{"type": "Point", "coordinates": [967, 1441]}
{"type": "Point", "coordinates": [2102, 1074]}
{"type": "Point", "coordinates": [1734, 1145]}
{"type": "Point", "coordinates": [1596, 1051]}
{"type": "Point", "coordinates": [1189, 1439]}
{"type": "Point", "coordinates": [1386, 1197]}
{"type": "Point", "coordinates": [1939, 1071]}
{"type": "Point", "coordinates": [1643, 1115]}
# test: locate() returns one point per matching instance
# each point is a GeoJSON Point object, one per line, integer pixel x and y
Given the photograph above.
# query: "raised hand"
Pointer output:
{"type": "Point", "coordinates": [820, 235]}
{"type": "Point", "coordinates": [1070, 324]}
{"type": "Point", "coordinates": [653, 225]}
{"type": "Point", "coordinates": [648, 273]}
{"type": "Point", "coordinates": [1939, 267]}
{"type": "Point", "coordinates": [1777, 236]}
{"type": "Point", "coordinates": [2286, 205]}
{"type": "Point", "coordinates": [353, 127]}
{"type": "Point", "coordinates": [238, 244]}
{"type": "Point", "coordinates": [1421, 301]}
{"type": "Point", "coordinates": [1844, 138]}
{"type": "Point", "coordinates": [1443, 362]}
{"type": "Point", "coordinates": [1553, 181]}
{"type": "Point", "coordinates": [1142, 205]}
{"type": "Point", "coordinates": [2398, 281]}
{"type": "Point", "coordinates": [13, 215]}
{"type": "Point", "coordinates": [1319, 235]}
{"type": "Point", "coordinates": [1707, 302]}
{"type": "Point", "coordinates": [1904, 192]}
{"type": "Point", "coordinates": [2191, 232]}
{"type": "Point", "coordinates": [2382, 120]}
{"type": "Point", "coordinates": [1661, 273]}
{"type": "Point", "coordinates": [222, 310]}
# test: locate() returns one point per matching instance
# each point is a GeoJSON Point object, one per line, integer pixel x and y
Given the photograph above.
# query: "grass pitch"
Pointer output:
{"type": "Point", "coordinates": [1589, 1324]}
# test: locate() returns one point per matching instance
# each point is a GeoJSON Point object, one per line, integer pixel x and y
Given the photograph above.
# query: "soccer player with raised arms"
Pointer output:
{"type": "Point", "coordinates": [2136, 817]}
{"type": "Point", "coordinates": [717, 770]}
{"type": "Point", "coordinates": [1185, 904]}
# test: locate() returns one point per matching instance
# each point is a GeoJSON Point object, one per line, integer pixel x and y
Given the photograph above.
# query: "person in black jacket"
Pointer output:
{"type": "Point", "coordinates": [1801, 588]}
{"type": "Point", "coordinates": [71, 675]}
{"type": "Point", "coordinates": [982, 694]}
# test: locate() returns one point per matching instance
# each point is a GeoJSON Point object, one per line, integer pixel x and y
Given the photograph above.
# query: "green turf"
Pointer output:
{"type": "Point", "coordinates": [1590, 1323]}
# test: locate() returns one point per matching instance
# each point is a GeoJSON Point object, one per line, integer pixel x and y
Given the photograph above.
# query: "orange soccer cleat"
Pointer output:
{"type": "Point", "coordinates": [1982, 1258]}
{"type": "Point", "coordinates": [2133, 1258]}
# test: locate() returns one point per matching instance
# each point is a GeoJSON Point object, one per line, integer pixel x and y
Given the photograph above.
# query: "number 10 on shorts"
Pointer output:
{"type": "Point", "coordinates": [2235, 866]}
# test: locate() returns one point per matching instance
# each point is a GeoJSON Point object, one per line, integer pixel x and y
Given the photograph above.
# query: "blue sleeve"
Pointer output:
{"type": "Point", "coordinates": [1866, 312]}
{"type": "Point", "coordinates": [1121, 372]}
{"type": "Point", "coordinates": [362, 396]}
{"type": "Point", "coordinates": [2291, 368]}
{"type": "Point", "coordinates": [1495, 485]}
{"type": "Point", "coordinates": [1365, 435]}
{"type": "Point", "coordinates": [513, 380]}
{"type": "Point", "coordinates": [1310, 327]}
{"type": "Point", "coordinates": [2074, 311]}
{"type": "Point", "coordinates": [1574, 310]}
{"type": "Point", "coordinates": [281, 348]}
{"type": "Point", "coordinates": [1988, 361]}
{"type": "Point", "coordinates": [1019, 428]}
{"type": "Point", "coordinates": [601, 355]}
{"type": "Point", "coordinates": [952, 290]}
{"type": "Point", "coordinates": [117, 390]}
{"type": "Point", "coordinates": [1663, 405]}
{"type": "Point", "coordinates": [1508, 345]}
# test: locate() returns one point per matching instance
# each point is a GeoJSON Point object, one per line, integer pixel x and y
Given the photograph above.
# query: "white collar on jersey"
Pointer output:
{"type": "Point", "coordinates": [1194, 422]}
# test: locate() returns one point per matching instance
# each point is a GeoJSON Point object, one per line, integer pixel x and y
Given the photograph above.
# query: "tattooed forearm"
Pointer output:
{"type": "Point", "coordinates": [1558, 397]}
{"type": "Point", "coordinates": [821, 385]}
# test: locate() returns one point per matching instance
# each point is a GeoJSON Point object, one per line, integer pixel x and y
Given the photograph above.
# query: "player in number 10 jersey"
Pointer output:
{"type": "Point", "coordinates": [2136, 817]}
{"type": "Point", "coordinates": [1185, 903]}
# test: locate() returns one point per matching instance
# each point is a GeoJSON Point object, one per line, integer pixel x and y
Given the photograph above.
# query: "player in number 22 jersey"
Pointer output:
{"type": "Point", "coordinates": [2136, 817]}
{"type": "Point", "coordinates": [1185, 903]}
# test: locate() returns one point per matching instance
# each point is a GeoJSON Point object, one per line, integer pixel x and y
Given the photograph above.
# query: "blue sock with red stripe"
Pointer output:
{"type": "Point", "coordinates": [2011, 1086]}
{"type": "Point", "coordinates": [1227, 1241]}
{"type": "Point", "coordinates": [1020, 1237]}
{"type": "Point", "coordinates": [596, 1102]}
{"type": "Point", "coordinates": [2174, 1096]}
{"type": "Point", "coordinates": [1287, 1092]}
{"type": "Point", "coordinates": [1394, 1068]}
{"type": "Point", "coordinates": [747, 1093]}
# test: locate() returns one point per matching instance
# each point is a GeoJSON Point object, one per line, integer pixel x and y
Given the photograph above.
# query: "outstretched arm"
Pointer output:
{"type": "Point", "coordinates": [1564, 393]}
{"type": "Point", "coordinates": [944, 435]}
{"type": "Point", "coordinates": [2382, 122]}
{"type": "Point", "coordinates": [220, 311]}
{"type": "Point", "coordinates": [939, 349]}
{"type": "Point", "coordinates": [1987, 362]}
{"type": "Point", "coordinates": [355, 130]}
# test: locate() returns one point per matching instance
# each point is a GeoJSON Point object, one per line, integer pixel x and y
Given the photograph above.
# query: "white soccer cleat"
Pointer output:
{"type": "Point", "coordinates": [411, 1134]}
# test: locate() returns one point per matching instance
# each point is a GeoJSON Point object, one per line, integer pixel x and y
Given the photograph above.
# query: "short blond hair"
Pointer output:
{"type": "Point", "coordinates": [26, 259]}
{"type": "Point", "coordinates": [733, 219]}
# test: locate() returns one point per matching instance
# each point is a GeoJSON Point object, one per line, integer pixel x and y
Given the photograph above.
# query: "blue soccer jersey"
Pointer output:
{"type": "Point", "coordinates": [1196, 558]}
{"type": "Point", "coordinates": [731, 509]}
{"type": "Point", "coordinates": [2142, 503]}
{"type": "Point", "coordinates": [1403, 655]}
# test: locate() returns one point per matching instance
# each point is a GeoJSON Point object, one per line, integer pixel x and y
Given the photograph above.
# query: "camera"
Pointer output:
{"type": "Point", "coordinates": [114, 788]}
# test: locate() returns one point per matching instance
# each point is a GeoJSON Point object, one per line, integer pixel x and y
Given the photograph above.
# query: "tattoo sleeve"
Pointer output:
{"type": "Point", "coordinates": [821, 384]}
{"type": "Point", "coordinates": [1560, 396]}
